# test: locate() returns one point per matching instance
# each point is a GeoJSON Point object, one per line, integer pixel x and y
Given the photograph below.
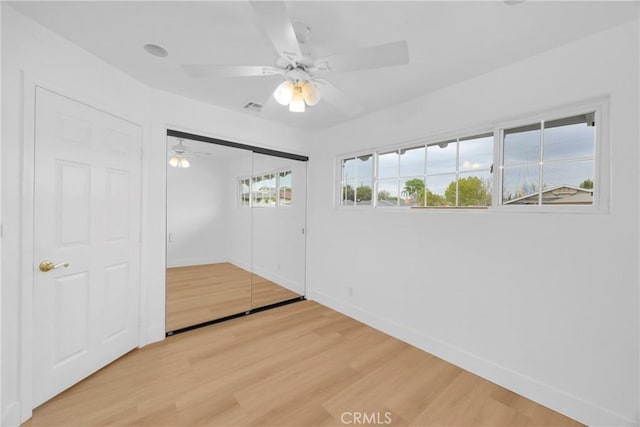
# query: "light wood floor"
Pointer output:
{"type": "Point", "coordinates": [200, 293]}
{"type": "Point", "coordinates": [265, 292]}
{"type": "Point", "coordinates": [297, 365]}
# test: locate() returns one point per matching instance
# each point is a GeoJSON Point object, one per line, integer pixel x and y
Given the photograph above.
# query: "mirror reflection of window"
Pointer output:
{"type": "Point", "coordinates": [245, 192]}
{"type": "Point", "coordinates": [284, 188]}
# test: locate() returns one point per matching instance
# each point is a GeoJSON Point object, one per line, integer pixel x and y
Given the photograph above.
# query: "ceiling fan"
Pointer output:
{"type": "Point", "coordinates": [179, 155]}
{"type": "Point", "coordinates": [303, 85]}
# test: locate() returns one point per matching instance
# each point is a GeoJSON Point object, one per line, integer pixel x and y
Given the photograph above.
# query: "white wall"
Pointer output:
{"type": "Point", "coordinates": [463, 285]}
{"type": "Point", "coordinates": [1, 133]}
{"type": "Point", "coordinates": [197, 213]}
{"type": "Point", "coordinates": [61, 65]}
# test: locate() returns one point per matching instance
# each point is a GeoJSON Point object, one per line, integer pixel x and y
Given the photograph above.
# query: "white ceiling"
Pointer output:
{"type": "Point", "coordinates": [448, 42]}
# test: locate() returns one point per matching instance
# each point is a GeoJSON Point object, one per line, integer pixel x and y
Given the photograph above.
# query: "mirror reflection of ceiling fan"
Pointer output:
{"type": "Point", "coordinates": [180, 153]}
{"type": "Point", "coordinates": [303, 84]}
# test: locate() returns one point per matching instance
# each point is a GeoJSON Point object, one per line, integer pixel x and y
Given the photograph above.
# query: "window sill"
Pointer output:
{"type": "Point", "coordinates": [450, 207]}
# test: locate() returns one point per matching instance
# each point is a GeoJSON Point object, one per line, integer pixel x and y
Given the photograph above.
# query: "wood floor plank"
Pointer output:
{"type": "Point", "coordinates": [199, 293]}
{"type": "Point", "coordinates": [298, 365]}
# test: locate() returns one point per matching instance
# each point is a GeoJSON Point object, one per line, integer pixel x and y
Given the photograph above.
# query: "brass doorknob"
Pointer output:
{"type": "Point", "coordinates": [47, 265]}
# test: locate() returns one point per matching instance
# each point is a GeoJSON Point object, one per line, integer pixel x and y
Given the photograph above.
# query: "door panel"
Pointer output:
{"type": "Point", "coordinates": [71, 317]}
{"type": "Point", "coordinates": [278, 230]}
{"type": "Point", "coordinates": [87, 213]}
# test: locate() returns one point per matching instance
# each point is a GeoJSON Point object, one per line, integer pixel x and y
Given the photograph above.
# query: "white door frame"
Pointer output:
{"type": "Point", "coordinates": [27, 261]}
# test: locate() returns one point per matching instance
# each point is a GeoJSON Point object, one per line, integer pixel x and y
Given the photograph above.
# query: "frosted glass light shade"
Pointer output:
{"type": "Point", "coordinates": [284, 93]}
{"type": "Point", "coordinates": [297, 102]}
{"type": "Point", "coordinates": [179, 162]}
{"type": "Point", "coordinates": [310, 94]}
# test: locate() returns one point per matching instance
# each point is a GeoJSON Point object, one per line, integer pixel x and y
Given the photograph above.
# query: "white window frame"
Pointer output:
{"type": "Point", "coordinates": [278, 204]}
{"type": "Point", "coordinates": [602, 162]}
{"type": "Point", "coordinates": [602, 191]}
{"type": "Point", "coordinates": [239, 194]}
{"type": "Point", "coordinates": [409, 144]}
{"type": "Point", "coordinates": [339, 181]}
{"type": "Point", "coordinates": [277, 173]}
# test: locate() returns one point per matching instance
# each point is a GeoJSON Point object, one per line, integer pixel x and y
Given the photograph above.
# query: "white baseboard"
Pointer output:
{"type": "Point", "coordinates": [11, 415]}
{"type": "Point", "coordinates": [280, 280]}
{"type": "Point", "coordinates": [549, 396]}
{"type": "Point", "coordinates": [240, 264]}
{"type": "Point", "coordinates": [187, 262]}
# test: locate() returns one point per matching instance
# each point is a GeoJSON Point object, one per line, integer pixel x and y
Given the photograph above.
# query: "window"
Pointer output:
{"type": "Point", "coordinates": [284, 188]}
{"type": "Point", "coordinates": [245, 192]}
{"type": "Point", "coordinates": [451, 172]}
{"type": "Point", "coordinates": [550, 162]}
{"type": "Point", "coordinates": [266, 190]}
{"type": "Point", "coordinates": [357, 181]}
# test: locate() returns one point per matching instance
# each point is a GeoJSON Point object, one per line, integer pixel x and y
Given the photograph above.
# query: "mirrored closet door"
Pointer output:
{"type": "Point", "coordinates": [235, 231]}
{"type": "Point", "coordinates": [278, 229]}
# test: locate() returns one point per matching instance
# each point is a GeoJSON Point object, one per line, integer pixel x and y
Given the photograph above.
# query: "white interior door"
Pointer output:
{"type": "Point", "coordinates": [87, 214]}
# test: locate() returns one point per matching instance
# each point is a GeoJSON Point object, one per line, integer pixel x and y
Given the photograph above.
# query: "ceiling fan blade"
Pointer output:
{"type": "Point", "coordinates": [338, 99]}
{"type": "Point", "coordinates": [384, 55]}
{"type": "Point", "coordinates": [275, 21]}
{"type": "Point", "coordinates": [198, 71]}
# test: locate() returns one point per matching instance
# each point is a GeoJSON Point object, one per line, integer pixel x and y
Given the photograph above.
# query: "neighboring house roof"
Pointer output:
{"type": "Point", "coordinates": [562, 194]}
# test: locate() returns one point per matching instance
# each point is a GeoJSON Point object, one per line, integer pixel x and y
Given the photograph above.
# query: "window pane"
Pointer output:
{"type": "Point", "coordinates": [474, 189]}
{"type": "Point", "coordinates": [256, 183]}
{"type": "Point", "coordinates": [412, 192]}
{"type": "Point", "coordinates": [412, 161]}
{"type": "Point", "coordinates": [568, 183]}
{"type": "Point", "coordinates": [348, 193]}
{"type": "Point", "coordinates": [245, 188]}
{"type": "Point", "coordinates": [388, 165]}
{"type": "Point", "coordinates": [348, 169]}
{"type": "Point", "coordinates": [363, 192]}
{"type": "Point", "coordinates": [264, 190]}
{"type": "Point", "coordinates": [365, 167]}
{"type": "Point", "coordinates": [441, 157]}
{"type": "Point", "coordinates": [285, 188]}
{"type": "Point", "coordinates": [387, 192]}
{"type": "Point", "coordinates": [441, 190]}
{"type": "Point", "coordinates": [522, 145]}
{"type": "Point", "coordinates": [569, 141]}
{"type": "Point", "coordinates": [476, 153]}
{"type": "Point", "coordinates": [520, 185]}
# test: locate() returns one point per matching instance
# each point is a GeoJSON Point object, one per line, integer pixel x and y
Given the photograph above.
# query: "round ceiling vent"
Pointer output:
{"type": "Point", "coordinates": [156, 50]}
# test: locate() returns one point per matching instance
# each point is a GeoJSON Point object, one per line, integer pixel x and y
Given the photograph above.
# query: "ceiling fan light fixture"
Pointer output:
{"type": "Point", "coordinates": [284, 93]}
{"type": "Point", "coordinates": [179, 162]}
{"type": "Point", "coordinates": [310, 94]}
